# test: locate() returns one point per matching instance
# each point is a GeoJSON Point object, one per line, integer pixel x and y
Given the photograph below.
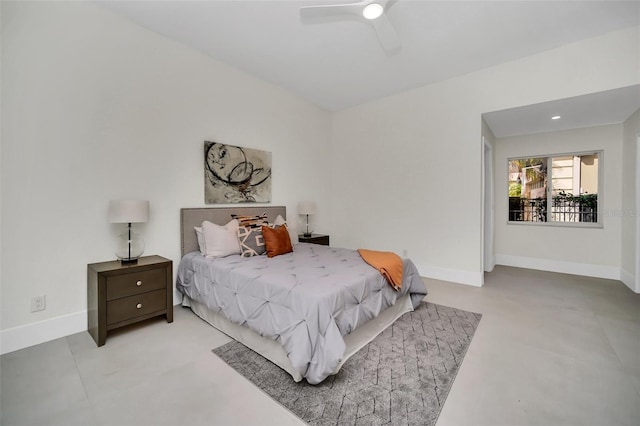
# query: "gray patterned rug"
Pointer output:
{"type": "Point", "coordinates": [401, 378]}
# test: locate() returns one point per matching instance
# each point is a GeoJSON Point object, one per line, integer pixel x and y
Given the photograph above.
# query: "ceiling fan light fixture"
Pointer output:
{"type": "Point", "coordinates": [372, 11]}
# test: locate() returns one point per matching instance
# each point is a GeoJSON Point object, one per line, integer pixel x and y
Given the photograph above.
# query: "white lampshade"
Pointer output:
{"type": "Point", "coordinates": [307, 207]}
{"type": "Point", "coordinates": [130, 244]}
{"type": "Point", "coordinates": [128, 211]}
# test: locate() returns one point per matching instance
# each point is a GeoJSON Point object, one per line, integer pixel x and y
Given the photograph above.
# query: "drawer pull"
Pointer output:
{"type": "Point", "coordinates": [139, 305]}
{"type": "Point", "coordinates": [139, 283]}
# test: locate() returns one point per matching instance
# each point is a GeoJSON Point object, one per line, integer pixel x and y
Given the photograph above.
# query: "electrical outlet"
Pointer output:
{"type": "Point", "coordinates": [38, 303]}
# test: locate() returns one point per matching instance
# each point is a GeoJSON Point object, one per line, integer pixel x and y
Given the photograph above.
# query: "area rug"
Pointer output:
{"type": "Point", "coordinates": [402, 377]}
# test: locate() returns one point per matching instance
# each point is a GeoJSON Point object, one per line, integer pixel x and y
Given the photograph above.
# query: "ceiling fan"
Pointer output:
{"type": "Point", "coordinates": [373, 11]}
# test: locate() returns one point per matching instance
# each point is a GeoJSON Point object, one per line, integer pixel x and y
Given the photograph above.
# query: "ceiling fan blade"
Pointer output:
{"type": "Point", "coordinates": [322, 11]}
{"type": "Point", "coordinates": [386, 34]}
{"type": "Point", "coordinates": [386, 4]}
{"type": "Point", "coordinates": [384, 29]}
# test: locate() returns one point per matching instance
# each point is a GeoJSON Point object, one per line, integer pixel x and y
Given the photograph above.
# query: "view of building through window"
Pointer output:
{"type": "Point", "coordinates": [561, 188]}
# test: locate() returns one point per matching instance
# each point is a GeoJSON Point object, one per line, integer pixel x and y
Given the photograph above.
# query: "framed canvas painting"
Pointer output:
{"type": "Point", "coordinates": [233, 174]}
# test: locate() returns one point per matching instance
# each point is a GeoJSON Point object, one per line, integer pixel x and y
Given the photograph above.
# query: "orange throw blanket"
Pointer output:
{"type": "Point", "coordinates": [387, 263]}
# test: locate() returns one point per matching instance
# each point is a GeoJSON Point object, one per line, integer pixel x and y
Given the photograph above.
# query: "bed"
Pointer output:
{"type": "Point", "coordinates": [307, 311]}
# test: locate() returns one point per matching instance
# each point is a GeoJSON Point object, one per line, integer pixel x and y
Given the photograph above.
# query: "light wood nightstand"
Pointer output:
{"type": "Point", "coordinates": [122, 294]}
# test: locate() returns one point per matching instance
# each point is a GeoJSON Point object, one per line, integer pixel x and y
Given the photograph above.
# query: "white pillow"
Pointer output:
{"type": "Point", "coordinates": [220, 241]}
{"type": "Point", "coordinates": [293, 235]}
{"type": "Point", "coordinates": [200, 237]}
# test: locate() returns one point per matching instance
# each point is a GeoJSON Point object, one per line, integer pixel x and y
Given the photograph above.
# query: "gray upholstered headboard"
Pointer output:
{"type": "Point", "coordinates": [190, 217]}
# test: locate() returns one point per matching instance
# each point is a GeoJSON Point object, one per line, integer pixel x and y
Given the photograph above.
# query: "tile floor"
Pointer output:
{"type": "Point", "coordinates": [551, 349]}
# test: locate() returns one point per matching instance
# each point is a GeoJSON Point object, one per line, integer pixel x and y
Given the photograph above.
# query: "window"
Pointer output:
{"type": "Point", "coordinates": [555, 189]}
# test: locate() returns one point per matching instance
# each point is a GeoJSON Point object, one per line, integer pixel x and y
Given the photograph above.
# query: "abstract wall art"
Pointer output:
{"type": "Point", "coordinates": [233, 174]}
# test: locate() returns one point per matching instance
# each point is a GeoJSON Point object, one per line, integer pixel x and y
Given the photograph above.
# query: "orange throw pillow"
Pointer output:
{"type": "Point", "coordinates": [276, 240]}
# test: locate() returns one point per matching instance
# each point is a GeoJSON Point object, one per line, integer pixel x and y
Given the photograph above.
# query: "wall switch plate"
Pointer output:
{"type": "Point", "coordinates": [38, 303]}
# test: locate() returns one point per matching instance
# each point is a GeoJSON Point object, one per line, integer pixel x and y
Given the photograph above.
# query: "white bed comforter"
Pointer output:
{"type": "Point", "coordinates": [306, 300]}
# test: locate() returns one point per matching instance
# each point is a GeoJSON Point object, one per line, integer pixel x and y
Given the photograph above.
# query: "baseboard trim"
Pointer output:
{"type": "Point", "coordinates": [21, 337]}
{"type": "Point", "coordinates": [629, 280]}
{"type": "Point", "coordinates": [475, 279]}
{"type": "Point", "coordinates": [574, 268]}
{"type": "Point", "coordinates": [492, 264]}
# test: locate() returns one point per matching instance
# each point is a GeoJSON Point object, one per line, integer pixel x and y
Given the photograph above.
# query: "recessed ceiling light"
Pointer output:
{"type": "Point", "coordinates": [556, 117]}
{"type": "Point", "coordinates": [372, 11]}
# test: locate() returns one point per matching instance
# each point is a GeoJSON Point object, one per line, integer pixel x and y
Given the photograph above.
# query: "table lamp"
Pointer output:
{"type": "Point", "coordinates": [306, 208]}
{"type": "Point", "coordinates": [131, 244]}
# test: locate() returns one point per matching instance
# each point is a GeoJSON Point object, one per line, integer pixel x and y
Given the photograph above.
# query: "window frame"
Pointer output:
{"type": "Point", "coordinates": [549, 222]}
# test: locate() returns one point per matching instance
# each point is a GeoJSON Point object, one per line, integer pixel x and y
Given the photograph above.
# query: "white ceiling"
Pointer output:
{"type": "Point", "coordinates": [340, 63]}
{"type": "Point", "coordinates": [597, 109]}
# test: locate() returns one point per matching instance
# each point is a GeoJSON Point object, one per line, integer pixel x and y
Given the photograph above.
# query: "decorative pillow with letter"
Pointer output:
{"type": "Point", "coordinates": [252, 221]}
{"type": "Point", "coordinates": [220, 241]}
{"type": "Point", "coordinates": [277, 240]}
{"type": "Point", "coordinates": [250, 234]}
{"type": "Point", "coordinates": [251, 241]}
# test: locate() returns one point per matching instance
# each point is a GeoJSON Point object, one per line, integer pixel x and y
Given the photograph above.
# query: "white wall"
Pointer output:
{"type": "Point", "coordinates": [488, 188]}
{"type": "Point", "coordinates": [1, 110]}
{"type": "Point", "coordinates": [406, 168]}
{"type": "Point", "coordinates": [96, 108]}
{"type": "Point", "coordinates": [630, 212]}
{"type": "Point", "coordinates": [579, 250]}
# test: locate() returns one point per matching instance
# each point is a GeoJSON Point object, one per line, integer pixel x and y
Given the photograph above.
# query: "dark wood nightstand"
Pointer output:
{"type": "Point", "coordinates": [122, 294]}
{"type": "Point", "coordinates": [314, 239]}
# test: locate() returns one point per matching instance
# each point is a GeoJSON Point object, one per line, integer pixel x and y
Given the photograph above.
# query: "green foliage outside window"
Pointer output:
{"type": "Point", "coordinates": [515, 189]}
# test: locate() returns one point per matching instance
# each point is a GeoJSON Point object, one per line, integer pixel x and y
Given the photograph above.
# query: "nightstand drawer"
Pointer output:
{"type": "Point", "coordinates": [134, 306]}
{"type": "Point", "coordinates": [135, 283]}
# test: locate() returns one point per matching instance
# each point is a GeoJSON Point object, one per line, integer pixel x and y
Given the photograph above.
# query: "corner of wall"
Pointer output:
{"type": "Point", "coordinates": [563, 267]}
{"type": "Point", "coordinates": [475, 279]}
{"type": "Point", "coordinates": [629, 280]}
